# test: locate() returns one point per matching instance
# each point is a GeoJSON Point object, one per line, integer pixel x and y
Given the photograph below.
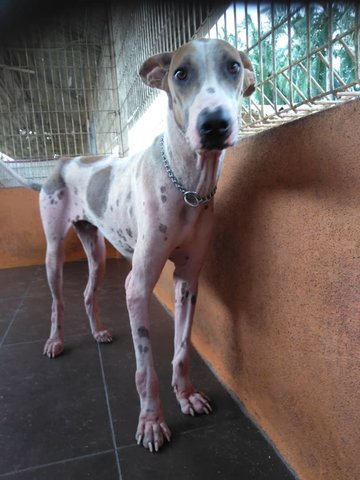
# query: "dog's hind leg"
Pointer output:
{"type": "Point", "coordinates": [94, 246]}
{"type": "Point", "coordinates": [54, 346]}
{"type": "Point", "coordinates": [56, 224]}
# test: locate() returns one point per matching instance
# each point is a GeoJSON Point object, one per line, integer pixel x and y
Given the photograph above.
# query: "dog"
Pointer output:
{"type": "Point", "coordinates": [153, 206]}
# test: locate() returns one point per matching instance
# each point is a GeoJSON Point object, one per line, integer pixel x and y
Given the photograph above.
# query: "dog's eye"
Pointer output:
{"type": "Point", "coordinates": [181, 74]}
{"type": "Point", "coordinates": [234, 68]}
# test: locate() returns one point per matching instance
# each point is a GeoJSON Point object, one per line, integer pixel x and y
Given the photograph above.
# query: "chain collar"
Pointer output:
{"type": "Point", "coordinates": [193, 199]}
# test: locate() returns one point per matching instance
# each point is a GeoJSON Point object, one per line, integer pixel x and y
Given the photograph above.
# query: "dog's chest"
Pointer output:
{"type": "Point", "coordinates": [129, 210]}
{"type": "Point", "coordinates": [134, 220]}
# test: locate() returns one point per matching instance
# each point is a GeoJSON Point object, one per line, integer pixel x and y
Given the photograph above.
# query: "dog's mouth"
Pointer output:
{"type": "Point", "coordinates": [212, 144]}
{"type": "Point", "coordinates": [216, 144]}
{"type": "Point", "coordinates": [215, 129]}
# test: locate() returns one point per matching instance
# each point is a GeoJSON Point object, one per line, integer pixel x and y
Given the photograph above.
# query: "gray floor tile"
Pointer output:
{"type": "Point", "coordinates": [64, 418]}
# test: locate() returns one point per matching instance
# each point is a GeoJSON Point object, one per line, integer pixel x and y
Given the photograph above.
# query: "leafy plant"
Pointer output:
{"type": "Point", "coordinates": [309, 57]}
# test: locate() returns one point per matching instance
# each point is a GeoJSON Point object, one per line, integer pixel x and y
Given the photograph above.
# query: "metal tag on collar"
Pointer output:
{"type": "Point", "coordinates": [193, 199]}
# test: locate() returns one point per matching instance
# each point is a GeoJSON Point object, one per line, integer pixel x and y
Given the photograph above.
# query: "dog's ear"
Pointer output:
{"type": "Point", "coordinates": [153, 71]}
{"type": "Point", "coordinates": [249, 75]}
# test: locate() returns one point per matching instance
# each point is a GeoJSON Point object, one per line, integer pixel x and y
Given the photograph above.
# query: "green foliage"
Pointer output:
{"type": "Point", "coordinates": [288, 54]}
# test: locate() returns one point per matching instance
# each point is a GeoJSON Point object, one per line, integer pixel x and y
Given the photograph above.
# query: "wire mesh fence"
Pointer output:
{"type": "Point", "coordinates": [73, 88]}
{"type": "Point", "coordinates": [149, 29]}
{"type": "Point", "coordinates": [306, 57]}
{"type": "Point", "coordinates": [49, 87]}
{"type": "Point", "coordinates": [57, 92]}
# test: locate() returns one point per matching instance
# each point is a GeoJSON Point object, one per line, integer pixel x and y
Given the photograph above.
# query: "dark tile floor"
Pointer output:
{"type": "Point", "coordinates": [75, 417]}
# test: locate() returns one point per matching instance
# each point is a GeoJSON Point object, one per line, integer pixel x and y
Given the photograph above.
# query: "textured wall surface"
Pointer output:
{"type": "Point", "coordinates": [278, 314]}
{"type": "Point", "coordinates": [22, 240]}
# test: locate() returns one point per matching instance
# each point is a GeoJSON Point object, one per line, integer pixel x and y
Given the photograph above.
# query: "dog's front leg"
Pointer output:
{"type": "Point", "coordinates": [152, 428]}
{"type": "Point", "coordinates": [190, 401]}
{"type": "Point", "coordinates": [188, 264]}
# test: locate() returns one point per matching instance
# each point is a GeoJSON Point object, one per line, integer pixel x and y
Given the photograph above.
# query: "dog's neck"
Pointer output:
{"type": "Point", "coordinates": [197, 171]}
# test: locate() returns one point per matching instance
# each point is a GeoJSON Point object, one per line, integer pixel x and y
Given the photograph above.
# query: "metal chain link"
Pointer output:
{"type": "Point", "coordinates": [193, 199]}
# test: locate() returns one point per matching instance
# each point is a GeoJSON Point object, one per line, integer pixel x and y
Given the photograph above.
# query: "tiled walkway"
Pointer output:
{"type": "Point", "coordinates": [74, 417]}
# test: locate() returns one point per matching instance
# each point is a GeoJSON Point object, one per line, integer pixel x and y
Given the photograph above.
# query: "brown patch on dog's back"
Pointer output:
{"type": "Point", "coordinates": [90, 159]}
{"type": "Point", "coordinates": [55, 181]}
{"type": "Point", "coordinates": [98, 191]}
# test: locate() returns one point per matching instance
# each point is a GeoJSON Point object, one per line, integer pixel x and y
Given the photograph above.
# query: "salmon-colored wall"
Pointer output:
{"type": "Point", "coordinates": [22, 241]}
{"type": "Point", "coordinates": [278, 313]}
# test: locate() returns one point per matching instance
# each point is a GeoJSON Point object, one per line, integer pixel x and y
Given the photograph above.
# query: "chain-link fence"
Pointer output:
{"type": "Point", "coordinates": [73, 88]}
{"type": "Point", "coordinates": [306, 57]}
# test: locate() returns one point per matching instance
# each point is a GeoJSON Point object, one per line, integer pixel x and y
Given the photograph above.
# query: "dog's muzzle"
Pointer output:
{"type": "Point", "coordinates": [214, 127]}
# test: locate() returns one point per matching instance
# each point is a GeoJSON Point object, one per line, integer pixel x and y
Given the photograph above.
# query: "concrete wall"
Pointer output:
{"type": "Point", "coordinates": [278, 314]}
{"type": "Point", "coordinates": [22, 241]}
{"type": "Point", "coordinates": [279, 302]}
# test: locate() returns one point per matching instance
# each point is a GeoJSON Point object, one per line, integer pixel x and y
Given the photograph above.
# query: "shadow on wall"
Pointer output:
{"type": "Point", "coordinates": [244, 240]}
{"type": "Point", "coordinates": [279, 306]}
{"type": "Point", "coordinates": [265, 172]}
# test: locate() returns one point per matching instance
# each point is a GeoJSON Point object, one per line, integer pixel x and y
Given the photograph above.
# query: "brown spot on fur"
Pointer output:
{"type": "Point", "coordinates": [121, 235]}
{"type": "Point", "coordinates": [143, 332]}
{"type": "Point", "coordinates": [143, 349]}
{"type": "Point", "coordinates": [54, 183]}
{"type": "Point", "coordinates": [129, 249]}
{"type": "Point", "coordinates": [98, 191]}
{"type": "Point", "coordinates": [184, 292]}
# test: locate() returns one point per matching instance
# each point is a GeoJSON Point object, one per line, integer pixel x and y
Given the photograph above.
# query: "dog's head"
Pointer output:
{"type": "Point", "coordinates": [204, 80]}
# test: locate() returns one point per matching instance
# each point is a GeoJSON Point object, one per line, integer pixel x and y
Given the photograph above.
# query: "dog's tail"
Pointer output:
{"type": "Point", "coordinates": [21, 180]}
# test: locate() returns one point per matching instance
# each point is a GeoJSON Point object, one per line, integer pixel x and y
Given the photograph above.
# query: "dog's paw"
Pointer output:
{"type": "Point", "coordinates": [193, 402]}
{"type": "Point", "coordinates": [103, 335]}
{"type": "Point", "coordinates": [53, 347]}
{"type": "Point", "coordinates": [151, 432]}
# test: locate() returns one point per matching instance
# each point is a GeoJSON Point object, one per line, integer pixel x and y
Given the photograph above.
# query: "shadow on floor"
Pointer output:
{"type": "Point", "coordinates": [75, 417]}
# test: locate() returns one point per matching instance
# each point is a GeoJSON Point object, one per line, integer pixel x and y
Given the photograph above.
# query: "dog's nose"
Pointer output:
{"type": "Point", "coordinates": [214, 127]}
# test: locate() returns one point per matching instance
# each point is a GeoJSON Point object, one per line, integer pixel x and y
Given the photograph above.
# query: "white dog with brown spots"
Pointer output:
{"type": "Point", "coordinates": [153, 206]}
